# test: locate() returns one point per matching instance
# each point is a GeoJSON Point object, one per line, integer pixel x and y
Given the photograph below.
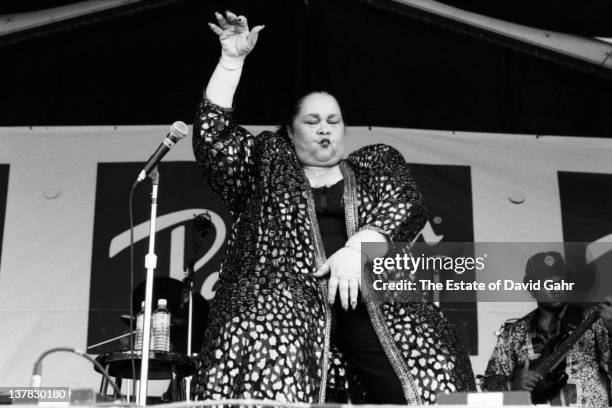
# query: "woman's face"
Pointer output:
{"type": "Point", "coordinates": [318, 131]}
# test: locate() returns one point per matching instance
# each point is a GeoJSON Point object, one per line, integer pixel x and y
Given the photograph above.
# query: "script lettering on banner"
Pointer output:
{"type": "Point", "coordinates": [183, 194]}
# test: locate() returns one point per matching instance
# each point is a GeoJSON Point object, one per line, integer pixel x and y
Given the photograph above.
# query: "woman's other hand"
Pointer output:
{"type": "Point", "coordinates": [344, 267]}
{"type": "Point", "coordinates": [233, 31]}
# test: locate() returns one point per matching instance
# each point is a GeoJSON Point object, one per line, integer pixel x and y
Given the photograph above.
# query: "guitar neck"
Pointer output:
{"type": "Point", "coordinates": [566, 344]}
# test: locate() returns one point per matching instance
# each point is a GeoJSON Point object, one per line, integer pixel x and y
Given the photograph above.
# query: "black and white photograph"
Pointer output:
{"type": "Point", "coordinates": [306, 203]}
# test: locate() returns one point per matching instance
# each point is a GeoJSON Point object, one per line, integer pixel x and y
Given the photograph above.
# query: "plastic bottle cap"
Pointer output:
{"type": "Point", "coordinates": [162, 302]}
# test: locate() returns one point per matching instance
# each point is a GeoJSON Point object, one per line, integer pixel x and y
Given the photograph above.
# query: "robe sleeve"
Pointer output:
{"type": "Point", "coordinates": [225, 153]}
{"type": "Point", "coordinates": [398, 210]}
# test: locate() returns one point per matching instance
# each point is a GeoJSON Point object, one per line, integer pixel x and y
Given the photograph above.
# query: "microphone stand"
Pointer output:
{"type": "Point", "coordinates": [199, 231]}
{"type": "Point", "coordinates": [150, 264]}
{"type": "Point", "coordinates": [189, 281]}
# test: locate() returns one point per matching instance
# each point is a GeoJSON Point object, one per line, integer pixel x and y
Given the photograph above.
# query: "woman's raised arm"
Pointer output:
{"type": "Point", "coordinates": [224, 150]}
{"type": "Point", "coordinates": [236, 43]}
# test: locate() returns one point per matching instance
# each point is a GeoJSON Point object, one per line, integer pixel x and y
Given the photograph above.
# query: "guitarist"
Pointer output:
{"type": "Point", "coordinates": [588, 365]}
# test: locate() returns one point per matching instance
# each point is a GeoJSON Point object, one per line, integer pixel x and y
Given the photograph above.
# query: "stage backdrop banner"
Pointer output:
{"type": "Point", "coordinates": [180, 200]}
{"type": "Point", "coordinates": [586, 203]}
{"type": "Point", "coordinates": [64, 271]}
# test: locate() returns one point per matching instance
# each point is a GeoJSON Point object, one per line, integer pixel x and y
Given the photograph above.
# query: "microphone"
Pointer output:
{"type": "Point", "coordinates": [178, 130]}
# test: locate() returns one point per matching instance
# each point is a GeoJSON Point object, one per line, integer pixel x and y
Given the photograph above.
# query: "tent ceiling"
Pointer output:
{"type": "Point", "coordinates": [580, 52]}
{"type": "Point", "coordinates": [586, 17]}
{"type": "Point", "coordinates": [589, 18]}
{"type": "Point", "coordinates": [150, 67]}
{"type": "Point", "coordinates": [23, 6]}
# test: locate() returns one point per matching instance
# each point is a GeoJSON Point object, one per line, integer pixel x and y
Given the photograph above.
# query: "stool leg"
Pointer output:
{"type": "Point", "coordinates": [173, 384]}
{"type": "Point", "coordinates": [104, 383]}
{"type": "Point", "coordinates": [118, 381]}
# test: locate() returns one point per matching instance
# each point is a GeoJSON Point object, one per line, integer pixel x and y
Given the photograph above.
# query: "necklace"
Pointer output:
{"type": "Point", "coordinates": [322, 176]}
{"type": "Point", "coordinates": [316, 171]}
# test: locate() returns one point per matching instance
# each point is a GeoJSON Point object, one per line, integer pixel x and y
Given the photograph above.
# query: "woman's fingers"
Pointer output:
{"type": "Point", "coordinates": [353, 292]}
{"type": "Point", "coordinates": [252, 37]}
{"type": "Point", "coordinates": [215, 28]}
{"type": "Point", "coordinates": [343, 289]}
{"type": "Point", "coordinates": [332, 288]}
{"type": "Point", "coordinates": [222, 21]}
{"type": "Point", "coordinates": [254, 34]}
{"type": "Point", "coordinates": [241, 21]}
{"type": "Point", "coordinates": [257, 29]}
{"type": "Point", "coordinates": [230, 17]}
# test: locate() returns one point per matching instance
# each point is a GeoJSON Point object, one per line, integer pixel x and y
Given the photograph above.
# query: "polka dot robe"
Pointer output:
{"type": "Point", "coordinates": [268, 331]}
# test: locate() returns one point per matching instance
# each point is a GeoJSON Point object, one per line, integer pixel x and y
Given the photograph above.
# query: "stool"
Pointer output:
{"type": "Point", "coordinates": [163, 365]}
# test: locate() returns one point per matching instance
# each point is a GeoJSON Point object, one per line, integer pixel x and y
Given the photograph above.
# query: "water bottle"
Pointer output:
{"type": "Point", "coordinates": [160, 323]}
{"type": "Point", "coordinates": [139, 328]}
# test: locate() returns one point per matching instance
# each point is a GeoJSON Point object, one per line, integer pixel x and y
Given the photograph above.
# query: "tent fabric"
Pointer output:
{"type": "Point", "coordinates": [386, 69]}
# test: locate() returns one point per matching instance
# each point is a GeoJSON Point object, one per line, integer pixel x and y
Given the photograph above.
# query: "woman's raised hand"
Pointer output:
{"type": "Point", "coordinates": [233, 31]}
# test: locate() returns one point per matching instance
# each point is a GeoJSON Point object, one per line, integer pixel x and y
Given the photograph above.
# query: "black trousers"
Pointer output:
{"type": "Point", "coordinates": [353, 334]}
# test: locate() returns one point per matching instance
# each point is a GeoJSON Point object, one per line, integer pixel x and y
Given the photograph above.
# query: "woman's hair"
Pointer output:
{"type": "Point", "coordinates": [293, 109]}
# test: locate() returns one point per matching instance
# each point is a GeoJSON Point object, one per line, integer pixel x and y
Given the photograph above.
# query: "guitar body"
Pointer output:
{"type": "Point", "coordinates": [551, 363]}
{"type": "Point", "coordinates": [549, 386]}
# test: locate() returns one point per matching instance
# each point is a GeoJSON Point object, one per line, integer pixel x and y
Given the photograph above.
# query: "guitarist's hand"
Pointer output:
{"type": "Point", "coordinates": [526, 379]}
{"type": "Point", "coordinates": [605, 311]}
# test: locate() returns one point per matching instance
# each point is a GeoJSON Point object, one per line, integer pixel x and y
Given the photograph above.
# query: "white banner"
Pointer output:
{"type": "Point", "coordinates": [46, 256]}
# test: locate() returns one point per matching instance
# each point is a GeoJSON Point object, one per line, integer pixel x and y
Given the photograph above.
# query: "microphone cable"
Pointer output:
{"type": "Point", "coordinates": [37, 371]}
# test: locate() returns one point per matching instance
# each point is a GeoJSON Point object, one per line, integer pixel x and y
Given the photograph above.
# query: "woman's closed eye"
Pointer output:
{"type": "Point", "coordinates": [315, 119]}
{"type": "Point", "coordinates": [311, 119]}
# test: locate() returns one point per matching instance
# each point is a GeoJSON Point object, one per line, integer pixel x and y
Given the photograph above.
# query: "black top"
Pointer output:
{"type": "Point", "coordinates": [330, 215]}
{"type": "Point", "coordinates": [350, 329]}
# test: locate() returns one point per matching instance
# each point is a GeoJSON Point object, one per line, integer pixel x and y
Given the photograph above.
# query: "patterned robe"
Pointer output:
{"type": "Point", "coordinates": [589, 362]}
{"type": "Point", "coordinates": [268, 335]}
